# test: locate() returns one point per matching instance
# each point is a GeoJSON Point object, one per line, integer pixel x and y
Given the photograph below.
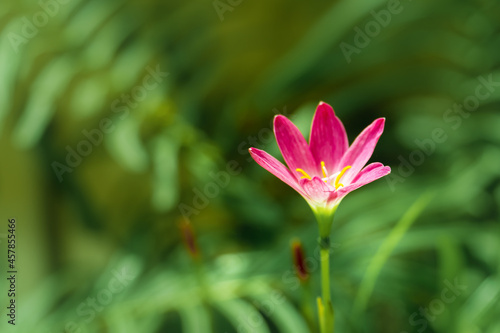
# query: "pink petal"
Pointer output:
{"type": "Point", "coordinates": [370, 173]}
{"type": "Point", "coordinates": [328, 141]}
{"type": "Point", "coordinates": [294, 147]}
{"type": "Point", "coordinates": [361, 149]}
{"type": "Point", "coordinates": [275, 167]}
{"type": "Point", "coordinates": [316, 189]}
{"type": "Point", "coordinates": [366, 169]}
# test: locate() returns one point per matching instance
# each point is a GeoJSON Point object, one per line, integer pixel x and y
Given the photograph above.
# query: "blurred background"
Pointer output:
{"type": "Point", "coordinates": [118, 117]}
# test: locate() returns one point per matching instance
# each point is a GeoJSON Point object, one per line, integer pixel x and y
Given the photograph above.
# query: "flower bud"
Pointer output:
{"type": "Point", "coordinates": [299, 260]}
{"type": "Point", "coordinates": [189, 238]}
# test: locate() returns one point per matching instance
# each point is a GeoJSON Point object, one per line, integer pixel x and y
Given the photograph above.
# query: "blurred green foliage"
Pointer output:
{"type": "Point", "coordinates": [65, 67]}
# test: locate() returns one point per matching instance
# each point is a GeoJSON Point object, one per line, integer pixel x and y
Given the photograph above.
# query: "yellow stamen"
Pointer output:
{"type": "Point", "coordinates": [323, 168]}
{"type": "Point", "coordinates": [304, 173]}
{"type": "Point", "coordinates": [337, 184]}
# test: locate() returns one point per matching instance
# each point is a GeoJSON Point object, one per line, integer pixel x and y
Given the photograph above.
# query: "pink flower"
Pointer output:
{"type": "Point", "coordinates": [327, 169]}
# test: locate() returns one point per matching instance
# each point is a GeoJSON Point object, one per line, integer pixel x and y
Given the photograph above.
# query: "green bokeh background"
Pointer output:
{"type": "Point", "coordinates": [232, 65]}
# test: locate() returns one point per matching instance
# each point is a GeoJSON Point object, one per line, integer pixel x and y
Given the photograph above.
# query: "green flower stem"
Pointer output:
{"type": "Point", "coordinates": [325, 309]}
{"type": "Point", "coordinates": [325, 285]}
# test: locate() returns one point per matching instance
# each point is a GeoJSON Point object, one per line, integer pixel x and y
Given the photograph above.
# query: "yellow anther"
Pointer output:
{"type": "Point", "coordinates": [304, 173]}
{"type": "Point", "coordinates": [323, 168]}
{"type": "Point", "coordinates": [337, 184]}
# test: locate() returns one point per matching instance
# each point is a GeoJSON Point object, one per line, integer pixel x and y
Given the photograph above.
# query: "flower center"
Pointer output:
{"type": "Point", "coordinates": [326, 178]}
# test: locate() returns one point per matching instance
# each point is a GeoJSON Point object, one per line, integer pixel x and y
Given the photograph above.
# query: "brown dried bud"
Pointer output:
{"type": "Point", "coordinates": [189, 238]}
{"type": "Point", "coordinates": [299, 260]}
